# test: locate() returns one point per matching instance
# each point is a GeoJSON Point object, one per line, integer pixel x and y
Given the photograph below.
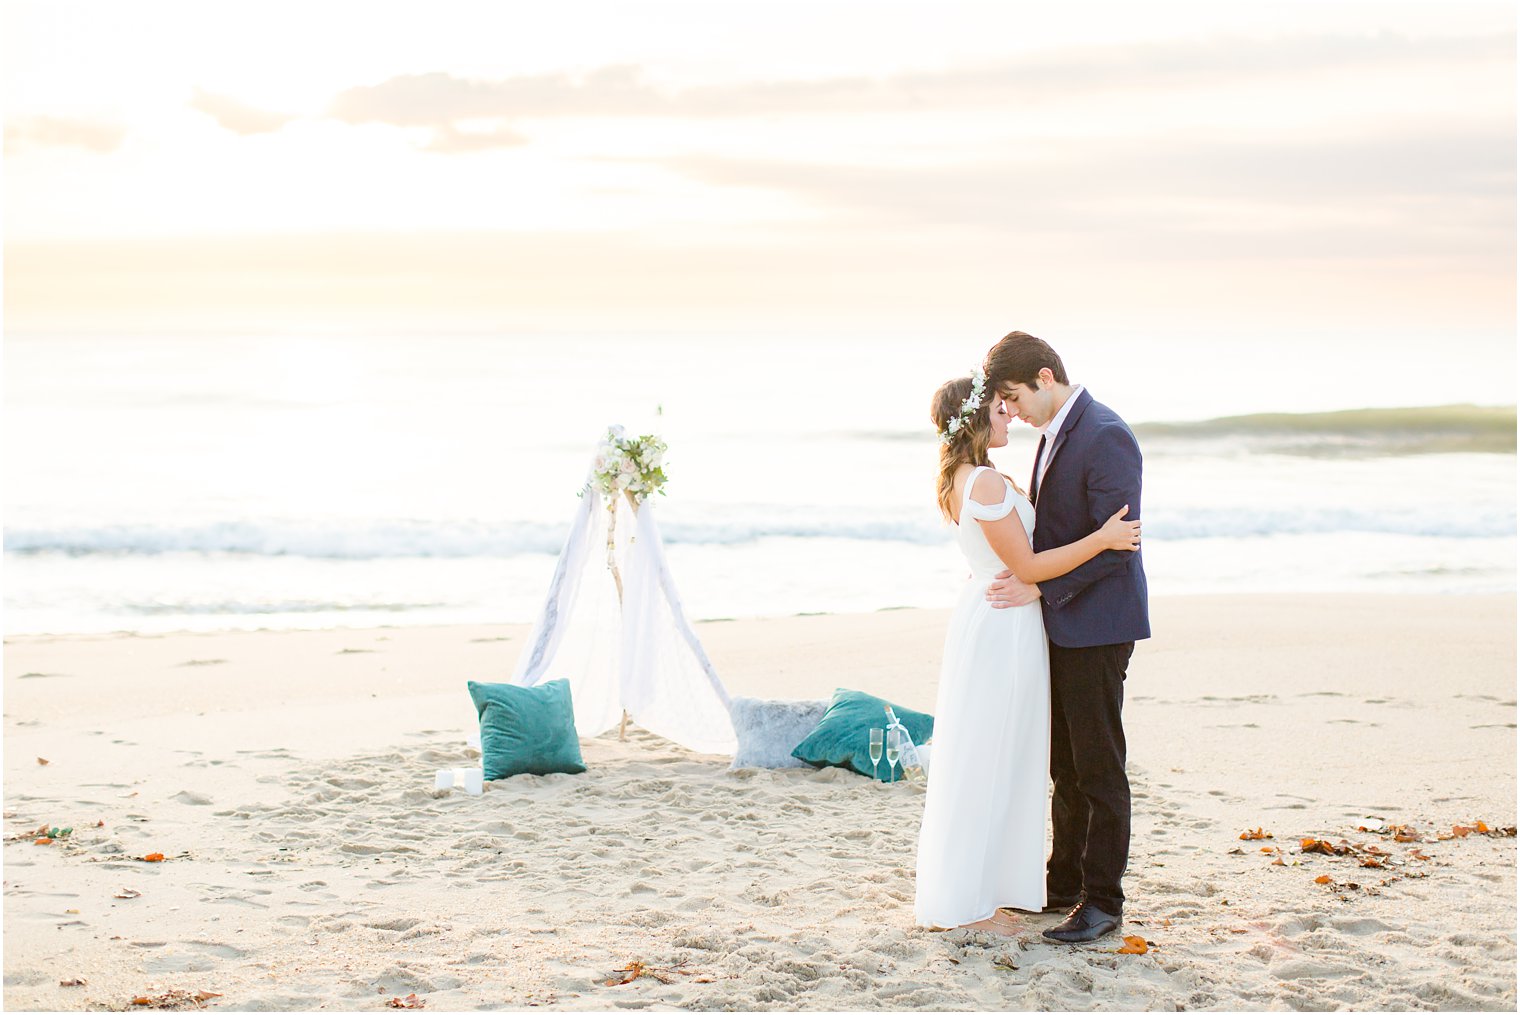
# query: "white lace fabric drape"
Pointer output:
{"type": "Point", "coordinates": [644, 657]}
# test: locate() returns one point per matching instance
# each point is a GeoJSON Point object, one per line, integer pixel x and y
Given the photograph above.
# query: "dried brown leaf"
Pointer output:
{"type": "Point", "coordinates": [175, 999]}
{"type": "Point", "coordinates": [410, 1001]}
{"type": "Point", "coordinates": [1257, 834]}
{"type": "Point", "coordinates": [1323, 879]}
{"type": "Point", "coordinates": [630, 972]}
{"type": "Point", "coordinates": [152, 858]}
{"type": "Point", "coordinates": [43, 761]}
{"type": "Point", "coordinates": [128, 893]}
{"type": "Point", "coordinates": [1134, 946]}
{"type": "Point", "coordinates": [72, 983]}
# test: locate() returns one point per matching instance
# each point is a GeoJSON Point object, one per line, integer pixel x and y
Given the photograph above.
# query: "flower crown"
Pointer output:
{"type": "Point", "coordinates": [972, 403]}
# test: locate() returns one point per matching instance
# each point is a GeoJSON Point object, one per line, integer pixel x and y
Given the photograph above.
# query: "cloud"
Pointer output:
{"type": "Point", "coordinates": [1420, 191]}
{"type": "Point", "coordinates": [237, 116]}
{"type": "Point", "coordinates": [1041, 77]}
{"type": "Point", "coordinates": [40, 131]}
{"type": "Point", "coordinates": [426, 100]}
{"type": "Point", "coordinates": [449, 140]}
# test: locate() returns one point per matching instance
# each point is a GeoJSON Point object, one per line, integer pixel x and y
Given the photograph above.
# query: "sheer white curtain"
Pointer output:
{"type": "Point", "coordinates": [644, 656]}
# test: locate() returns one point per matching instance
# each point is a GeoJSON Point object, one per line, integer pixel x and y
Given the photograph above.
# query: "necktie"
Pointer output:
{"type": "Point", "coordinates": [1034, 481]}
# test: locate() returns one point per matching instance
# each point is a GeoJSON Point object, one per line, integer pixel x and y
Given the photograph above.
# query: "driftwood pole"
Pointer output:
{"type": "Point", "coordinates": [617, 577]}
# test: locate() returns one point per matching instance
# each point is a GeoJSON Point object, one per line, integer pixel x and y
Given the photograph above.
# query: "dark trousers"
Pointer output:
{"type": "Point", "coordinates": [1090, 812]}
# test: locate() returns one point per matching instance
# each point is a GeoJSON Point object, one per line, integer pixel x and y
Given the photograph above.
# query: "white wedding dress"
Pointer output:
{"type": "Point", "coordinates": [982, 843]}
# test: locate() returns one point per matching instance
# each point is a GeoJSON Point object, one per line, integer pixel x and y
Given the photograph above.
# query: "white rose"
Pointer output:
{"type": "Point", "coordinates": [623, 480]}
{"type": "Point", "coordinates": [627, 467]}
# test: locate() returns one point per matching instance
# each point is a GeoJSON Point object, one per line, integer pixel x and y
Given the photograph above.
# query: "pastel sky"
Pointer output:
{"type": "Point", "coordinates": [1345, 169]}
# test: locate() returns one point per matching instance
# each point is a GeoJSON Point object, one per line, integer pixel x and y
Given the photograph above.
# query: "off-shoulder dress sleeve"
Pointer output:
{"type": "Point", "coordinates": [988, 512]}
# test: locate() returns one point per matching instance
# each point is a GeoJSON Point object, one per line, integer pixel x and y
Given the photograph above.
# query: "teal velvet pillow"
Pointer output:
{"type": "Point", "coordinates": [526, 729]}
{"type": "Point", "coordinates": [843, 736]}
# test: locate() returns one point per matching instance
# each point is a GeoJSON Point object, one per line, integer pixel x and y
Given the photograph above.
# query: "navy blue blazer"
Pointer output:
{"type": "Point", "coordinates": [1094, 471]}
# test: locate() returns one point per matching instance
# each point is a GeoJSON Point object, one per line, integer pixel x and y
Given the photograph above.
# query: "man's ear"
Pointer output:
{"type": "Point", "coordinates": [1046, 377]}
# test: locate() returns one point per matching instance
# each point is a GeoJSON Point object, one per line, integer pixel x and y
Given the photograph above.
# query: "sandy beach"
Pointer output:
{"type": "Point", "coordinates": [287, 779]}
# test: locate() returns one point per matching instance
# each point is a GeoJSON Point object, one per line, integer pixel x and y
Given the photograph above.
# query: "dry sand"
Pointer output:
{"type": "Point", "coordinates": [287, 777]}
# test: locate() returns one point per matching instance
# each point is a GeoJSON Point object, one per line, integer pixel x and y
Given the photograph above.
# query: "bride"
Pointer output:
{"type": "Point", "coordinates": [982, 843]}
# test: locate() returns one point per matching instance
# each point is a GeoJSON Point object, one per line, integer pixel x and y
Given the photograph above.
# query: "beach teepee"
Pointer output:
{"type": "Point", "coordinates": [612, 623]}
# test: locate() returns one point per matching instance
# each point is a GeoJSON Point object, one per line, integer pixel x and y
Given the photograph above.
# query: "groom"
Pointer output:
{"type": "Point", "coordinates": [1086, 468]}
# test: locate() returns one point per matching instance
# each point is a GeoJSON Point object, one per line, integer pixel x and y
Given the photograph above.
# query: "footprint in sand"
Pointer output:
{"type": "Point", "coordinates": [191, 957]}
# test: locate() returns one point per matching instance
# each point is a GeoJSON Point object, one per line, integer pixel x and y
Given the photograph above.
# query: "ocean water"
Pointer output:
{"type": "Point", "coordinates": [193, 484]}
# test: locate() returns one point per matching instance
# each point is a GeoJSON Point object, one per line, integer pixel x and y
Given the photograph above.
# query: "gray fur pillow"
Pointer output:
{"type": "Point", "coordinates": [768, 731]}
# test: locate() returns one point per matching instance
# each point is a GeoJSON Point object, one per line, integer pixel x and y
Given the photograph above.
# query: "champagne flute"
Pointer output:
{"type": "Point", "coordinates": [894, 747]}
{"type": "Point", "coordinates": [876, 754]}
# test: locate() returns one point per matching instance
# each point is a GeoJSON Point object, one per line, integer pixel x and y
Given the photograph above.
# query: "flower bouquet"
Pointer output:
{"type": "Point", "coordinates": [630, 465]}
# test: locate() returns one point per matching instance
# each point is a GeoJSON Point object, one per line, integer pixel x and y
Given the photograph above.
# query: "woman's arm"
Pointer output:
{"type": "Point", "coordinates": [1010, 542]}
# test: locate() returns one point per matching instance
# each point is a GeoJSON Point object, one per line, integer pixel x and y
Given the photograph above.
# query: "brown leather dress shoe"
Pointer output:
{"type": "Point", "coordinates": [1086, 923]}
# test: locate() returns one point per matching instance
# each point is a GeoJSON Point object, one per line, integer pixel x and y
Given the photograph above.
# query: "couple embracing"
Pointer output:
{"type": "Point", "coordinates": [1032, 685]}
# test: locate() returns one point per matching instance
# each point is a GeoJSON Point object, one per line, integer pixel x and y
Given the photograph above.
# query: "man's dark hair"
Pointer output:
{"type": "Point", "coordinates": [1018, 358]}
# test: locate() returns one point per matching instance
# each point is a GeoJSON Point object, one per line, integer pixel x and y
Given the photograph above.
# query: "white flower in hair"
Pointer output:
{"type": "Point", "coordinates": [969, 406]}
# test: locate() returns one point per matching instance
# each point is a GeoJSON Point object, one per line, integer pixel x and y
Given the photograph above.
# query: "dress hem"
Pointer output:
{"type": "Point", "coordinates": [956, 926]}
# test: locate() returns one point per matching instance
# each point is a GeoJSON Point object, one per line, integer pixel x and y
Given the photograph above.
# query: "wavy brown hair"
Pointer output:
{"type": "Point", "coordinates": [970, 443]}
